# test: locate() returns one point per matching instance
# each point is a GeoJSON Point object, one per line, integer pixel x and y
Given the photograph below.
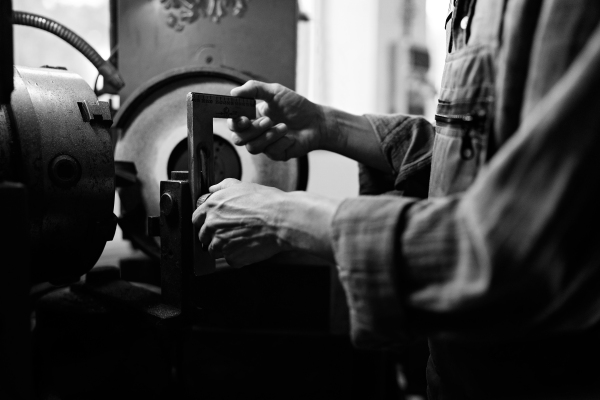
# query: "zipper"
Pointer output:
{"type": "Point", "coordinates": [468, 121]}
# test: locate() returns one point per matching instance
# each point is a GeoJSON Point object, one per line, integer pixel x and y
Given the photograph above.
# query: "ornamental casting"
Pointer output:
{"type": "Point", "coordinates": [182, 12]}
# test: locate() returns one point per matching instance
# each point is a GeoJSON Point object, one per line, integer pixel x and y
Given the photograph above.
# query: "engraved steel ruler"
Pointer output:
{"type": "Point", "coordinates": [201, 109]}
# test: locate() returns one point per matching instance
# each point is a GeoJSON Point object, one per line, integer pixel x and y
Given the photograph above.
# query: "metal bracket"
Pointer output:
{"type": "Point", "coordinates": [98, 112]}
{"type": "Point", "coordinates": [201, 109]}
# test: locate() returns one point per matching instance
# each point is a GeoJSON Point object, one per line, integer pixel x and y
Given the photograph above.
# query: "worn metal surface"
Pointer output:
{"type": "Point", "coordinates": [202, 108]}
{"type": "Point", "coordinates": [15, 326]}
{"type": "Point", "coordinates": [134, 300]}
{"type": "Point", "coordinates": [153, 125]}
{"type": "Point", "coordinates": [86, 347]}
{"type": "Point", "coordinates": [65, 160]}
{"type": "Point", "coordinates": [6, 51]}
{"type": "Point", "coordinates": [176, 238]}
{"type": "Point", "coordinates": [8, 147]}
{"type": "Point", "coordinates": [262, 42]}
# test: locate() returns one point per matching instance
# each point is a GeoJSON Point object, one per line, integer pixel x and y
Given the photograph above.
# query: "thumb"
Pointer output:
{"type": "Point", "coordinates": [224, 184]}
{"type": "Point", "coordinates": [256, 89]}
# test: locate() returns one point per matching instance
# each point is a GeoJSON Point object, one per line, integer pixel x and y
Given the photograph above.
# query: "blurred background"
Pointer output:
{"type": "Point", "coordinates": [362, 56]}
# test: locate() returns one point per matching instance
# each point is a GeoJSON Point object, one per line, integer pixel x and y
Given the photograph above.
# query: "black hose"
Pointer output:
{"type": "Point", "coordinates": [105, 68]}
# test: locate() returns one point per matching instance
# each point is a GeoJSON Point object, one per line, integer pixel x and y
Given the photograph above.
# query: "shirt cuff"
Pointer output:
{"type": "Point", "coordinates": [366, 247]}
{"type": "Point", "coordinates": [406, 143]}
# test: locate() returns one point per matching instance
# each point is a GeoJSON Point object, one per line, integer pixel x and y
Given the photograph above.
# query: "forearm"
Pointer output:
{"type": "Point", "coordinates": [352, 136]}
{"type": "Point", "coordinates": [304, 223]}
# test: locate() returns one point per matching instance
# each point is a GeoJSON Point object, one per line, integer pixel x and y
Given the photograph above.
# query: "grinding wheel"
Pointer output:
{"type": "Point", "coordinates": [153, 136]}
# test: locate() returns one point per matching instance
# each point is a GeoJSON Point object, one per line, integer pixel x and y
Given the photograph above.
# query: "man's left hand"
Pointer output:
{"type": "Point", "coordinates": [240, 222]}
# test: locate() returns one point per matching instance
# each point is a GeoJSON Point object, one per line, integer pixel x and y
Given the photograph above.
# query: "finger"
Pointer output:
{"type": "Point", "coordinates": [258, 90]}
{"type": "Point", "coordinates": [277, 150]}
{"type": "Point", "coordinates": [238, 124]}
{"type": "Point", "coordinates": [205, 235]}
{"type": "Point", "coordinates": [240, 256]}
{"type": "Point", "coordinates": [235, 262]}
{"type": "Point", "coordinates": [199, 216]}
{"type": "Point", "coordinates": [224, 184]}
{"type": "Point", "coordinates": [257, 128]}
{"type": "Point", "coordinates": [269, 137]}
{"type": "Point", "coordinates": [214, 250]}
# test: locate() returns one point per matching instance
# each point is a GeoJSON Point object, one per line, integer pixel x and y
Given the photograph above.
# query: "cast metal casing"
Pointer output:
{"type": "Point", "coordinates": [57, 135]}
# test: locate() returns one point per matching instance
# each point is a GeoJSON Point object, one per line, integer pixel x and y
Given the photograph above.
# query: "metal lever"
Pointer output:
{"type": "Point", "coordinates": [201, 109]}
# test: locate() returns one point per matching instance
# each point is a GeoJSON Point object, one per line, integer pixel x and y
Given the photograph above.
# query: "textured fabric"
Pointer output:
{"type": "Point", "coordinates": [375, 310]}
{"type": "Point", "coordinates": [508, 260]}
{"type": "Point", "coordinates": [406, 144]}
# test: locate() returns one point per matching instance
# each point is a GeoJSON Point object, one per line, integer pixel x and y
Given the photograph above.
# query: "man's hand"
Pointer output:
{"type": "Point", "coordinates": [247, 223]}
{"type": "Point", "coordinates": [288, 125]}
{"type": "Point", "coordinates": [239, 222]}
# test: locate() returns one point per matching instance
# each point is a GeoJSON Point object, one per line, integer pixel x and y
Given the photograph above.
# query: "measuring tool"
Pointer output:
{"type": "Point", "coordinates": [202, 108]}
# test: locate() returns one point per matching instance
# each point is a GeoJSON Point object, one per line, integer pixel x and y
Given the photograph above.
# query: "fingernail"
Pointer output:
{"type": "Point", "coordinates": [281, 128]}
{"type": "Point", "coordinates": [265, 123]}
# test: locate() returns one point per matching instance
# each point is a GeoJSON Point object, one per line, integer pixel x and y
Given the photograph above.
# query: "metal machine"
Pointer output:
{"type": "Point", "coordinates": [175, 324]}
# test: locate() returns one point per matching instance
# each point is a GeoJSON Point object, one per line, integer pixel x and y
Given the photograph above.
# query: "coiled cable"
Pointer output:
{"type": "Point", "coordinates": [105, 68]}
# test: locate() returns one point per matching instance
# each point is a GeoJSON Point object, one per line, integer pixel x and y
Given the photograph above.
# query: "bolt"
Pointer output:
{"type": "Point", "coordinates": [166, 203]}
{"type": "Point", "coordinates": [64, 170]}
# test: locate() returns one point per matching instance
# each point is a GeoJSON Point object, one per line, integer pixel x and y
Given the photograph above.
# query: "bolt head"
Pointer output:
{"type": "Point", "coordinates": [64, 170]}
{"type": "Point", "coordinates": [166, 203]}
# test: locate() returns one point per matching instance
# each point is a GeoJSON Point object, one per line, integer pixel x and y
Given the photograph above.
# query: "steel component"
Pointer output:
{"type": "Point", "coordinates": [202, 108]}
{"type": "Point", "coordinates": [64, 170]}
{"type": "Point", "coordinates": [66, 163]}
{"type": "Point", "coordinates": [131, 299]}
{"type": "Point", "coordinates": [176, 241]}
{"type": "Point", "coordinates": [153, 226]}
{"type": "Point", "coordinates": [8, 148]}
{"type": "Point", "coordinates": [6, 49]}
{"type": "Point", "coordinates": [180, 175]}
{"type": "Point", "coordinates": [166, 204]}
{"type": "Point", "coordinates": [104, 67]}
{"type": "Point", "coordinates": [153, 125]}
{"type": "Point", "coordinates": [98, 112]}
{"type": "Point", "coordinates": [15, 321]}
{"type": "Point", "coordinates": [149, 47]}
{"type": "Point", "coordinates": [102, 275]}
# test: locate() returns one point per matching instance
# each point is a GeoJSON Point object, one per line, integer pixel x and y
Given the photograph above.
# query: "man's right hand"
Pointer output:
{"type": "Point", "coordinates": [287, 124]}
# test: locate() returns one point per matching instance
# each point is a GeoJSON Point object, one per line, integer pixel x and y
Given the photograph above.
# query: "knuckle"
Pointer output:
{"type": "Point", "coordinates": [278, 87]}
{"type": "Point", "coordinates": [236, 140]}
{"type": "Point", "coordinates": [252, 149]}
{"type": "Point", "coordinates": [230, 181]}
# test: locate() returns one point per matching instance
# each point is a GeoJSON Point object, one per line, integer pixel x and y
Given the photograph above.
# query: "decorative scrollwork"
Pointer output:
{"type": "Point", "coordinates": [181, 12]}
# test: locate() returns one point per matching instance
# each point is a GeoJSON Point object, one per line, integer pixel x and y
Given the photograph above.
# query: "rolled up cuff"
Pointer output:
{"type": "Point", "coordinates": [366, 246]}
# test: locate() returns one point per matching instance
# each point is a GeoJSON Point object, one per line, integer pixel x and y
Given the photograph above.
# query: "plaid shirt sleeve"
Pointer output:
{"type": "Point", "coordinates": [406, 143]}
{"type": "Point", "coordinates": [519, 251]}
